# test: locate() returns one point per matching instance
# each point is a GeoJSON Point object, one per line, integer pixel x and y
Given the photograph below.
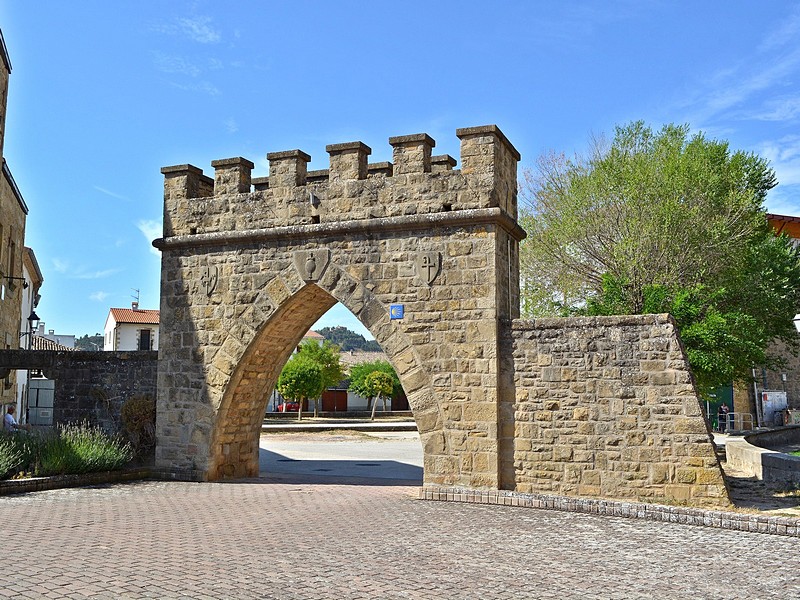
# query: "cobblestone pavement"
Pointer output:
{"type": "Point", "coordinates": [296, 537]}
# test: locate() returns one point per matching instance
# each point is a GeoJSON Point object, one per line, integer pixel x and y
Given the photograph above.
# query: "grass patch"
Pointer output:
{"type": "Point", "coordinates": [74, 448]}
{"type": "Point", "coordinates": [795, 453]}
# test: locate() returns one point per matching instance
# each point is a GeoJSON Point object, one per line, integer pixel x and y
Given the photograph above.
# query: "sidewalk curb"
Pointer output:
{"type": "Point", "coordinates": [720, 519]}
{"type": "Point", "coordinates": [317, 427]}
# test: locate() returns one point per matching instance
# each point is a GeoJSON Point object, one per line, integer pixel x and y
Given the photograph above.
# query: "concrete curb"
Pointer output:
{"type": "Point", "coordinates": [317, 427]}
{"type": "Point", "coordinates": [787, 526]}
{"type": "Point", "coordinates": [40, 484]}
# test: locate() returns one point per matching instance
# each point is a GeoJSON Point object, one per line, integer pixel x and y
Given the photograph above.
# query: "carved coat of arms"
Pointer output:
{"type": "Point", "coordinates": [209, 279]}
{"type": "Point", "coordinates": [311, 264]}
{"type": "Point", "coordinates": [428, 265]}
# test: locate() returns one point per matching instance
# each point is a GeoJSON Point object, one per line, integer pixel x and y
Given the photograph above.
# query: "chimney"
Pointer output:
{"type": "Point", "coordinates": [135, 305]}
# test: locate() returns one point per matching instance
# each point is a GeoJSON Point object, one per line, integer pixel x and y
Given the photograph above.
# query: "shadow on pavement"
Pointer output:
{"type": "Point", "coordinates": [274, 466]}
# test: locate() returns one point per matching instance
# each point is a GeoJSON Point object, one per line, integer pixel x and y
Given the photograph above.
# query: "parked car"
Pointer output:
{"type": "Point", "coordinates": [289, 407]}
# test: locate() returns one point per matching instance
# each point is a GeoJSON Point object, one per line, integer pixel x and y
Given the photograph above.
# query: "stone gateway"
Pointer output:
{"type": "Point", "coordinates": [593, 407]}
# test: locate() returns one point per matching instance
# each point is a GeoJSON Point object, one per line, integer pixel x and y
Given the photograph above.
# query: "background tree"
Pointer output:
{"type": "Point", "coordinates": [90, 342]}
{"type": "Point", "coordinates": [359, 373]}
{"type": "Point", "coordinates": [663, 222]}
{"type": "Point", "coordinates": [379, 384]}
{"type": "Point", "coordinates": [300, 380]}
{"type": "Point", "coordinates": [326, 356]}
{"type": "Point", "coordinates": [348, 340]}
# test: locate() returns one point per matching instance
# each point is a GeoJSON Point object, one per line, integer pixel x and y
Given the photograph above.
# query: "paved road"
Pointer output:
{"type": "Point", "coordinates": [297, 536]}
{"type": "Point", "coordinates": [381, 455]}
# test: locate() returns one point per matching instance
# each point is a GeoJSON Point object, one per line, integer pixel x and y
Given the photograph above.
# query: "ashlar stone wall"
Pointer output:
{"type": "Point", "coordinates": [89, 386]}
{"type": "Point", "coordinates": [606, 407]}
{"type": "Point", "coordinates": [601, 408]}
{"type": "Point", "coordinates": [248, 265]}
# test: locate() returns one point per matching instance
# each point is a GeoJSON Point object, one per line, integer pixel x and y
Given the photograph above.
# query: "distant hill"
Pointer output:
{"type": "Point", "coordinates": [348, 340]}
{"type": "Point", "coordinates": [89, 342]}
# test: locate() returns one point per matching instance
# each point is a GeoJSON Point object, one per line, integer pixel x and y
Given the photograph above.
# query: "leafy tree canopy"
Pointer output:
{"type": "Point", "coordinates": [90, 342]}
{"type": "Point", "coordinates": [348, 340]}
{"type": "Point", "coordinates": [327, 357]}
{"type": "Point", "coordinates": [664, 222]}
{"type": "Point", "coordinates": [300, 379]}
{"type": "Point", "coordinates": [360, 372]}
{"type": "Point", "coordinates": [379, 383]}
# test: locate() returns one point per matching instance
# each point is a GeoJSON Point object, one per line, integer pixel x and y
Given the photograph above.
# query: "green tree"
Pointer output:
{"type": "Point", "coordinates": [664, 222]}
{"type": "Point", "coordinates": [359, 373]}
{"type": "Point", "coordinates": [326, 355]}
{"type": "Point", "coordinates": [379, 384]}
{"type": "Point", "coordinates": [89, 342]}
{"type": "Point", "coordinates": [348, 340]}
{"type": "Point", "coordinates": [300, 380]}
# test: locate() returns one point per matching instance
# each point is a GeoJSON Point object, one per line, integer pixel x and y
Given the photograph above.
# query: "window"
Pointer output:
{"type": "Point", "coordinates": [145, 342]}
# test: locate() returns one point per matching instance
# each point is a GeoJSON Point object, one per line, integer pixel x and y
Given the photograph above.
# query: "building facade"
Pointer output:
{"type": "Point", "coordinates": [131, 329]}
{"type": "Point", "coordinates": [13, 213]}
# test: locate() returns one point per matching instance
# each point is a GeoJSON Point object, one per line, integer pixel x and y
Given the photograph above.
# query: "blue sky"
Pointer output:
{"type": "Point", "coordinates": [103, 94]}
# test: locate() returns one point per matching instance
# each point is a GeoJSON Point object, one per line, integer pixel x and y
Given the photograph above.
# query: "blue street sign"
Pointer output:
{"type": "Point", "coordinates": [396, 311]}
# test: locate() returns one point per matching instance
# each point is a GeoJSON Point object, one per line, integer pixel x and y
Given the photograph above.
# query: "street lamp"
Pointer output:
{"type": "Point", "coordinates": [33, 324]}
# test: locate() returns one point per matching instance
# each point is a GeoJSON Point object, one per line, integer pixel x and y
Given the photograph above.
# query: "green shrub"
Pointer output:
{"type": "Point", "coordinates": [11, 455]}
{"type": "Point", "coordinates": [73, 448]}
{"type": "Point", "coordinates": [138, 416]}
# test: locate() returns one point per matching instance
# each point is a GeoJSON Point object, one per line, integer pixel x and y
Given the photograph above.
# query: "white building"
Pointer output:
{"type": "Point", "coordinates": [131, 329]}
{"type": "Point", "coordinates": [32, 281]}
{"type": "Point", "coordinates": [62, 339]}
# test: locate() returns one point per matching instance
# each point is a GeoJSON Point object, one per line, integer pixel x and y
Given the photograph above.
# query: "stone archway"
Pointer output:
{"type": "Point", "coordinates": [248, 265]}
{"type": "Point", "coordinates": [244, 402]}
{"type": "Point", "coordinates": [601, 407]}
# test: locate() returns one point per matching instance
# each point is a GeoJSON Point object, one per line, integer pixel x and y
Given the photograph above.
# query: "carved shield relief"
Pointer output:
{"type": "Point", "coordinates": [311, 264]}
{"type": "Point", "coordinates": [209, 279]}
{"type": "Point", "coordinates": [428, 265]}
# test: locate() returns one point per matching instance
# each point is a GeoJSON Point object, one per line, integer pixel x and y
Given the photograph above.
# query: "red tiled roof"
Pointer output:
{"type": "Point", "coordinates": [313, 335]}
{"type": "Point", "coordinates": [128, 315]}
{"type": "Point", "coordinates": [43, 343]}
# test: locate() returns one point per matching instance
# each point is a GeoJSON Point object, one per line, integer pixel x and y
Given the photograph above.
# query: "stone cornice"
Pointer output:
{"type": "Point", "coordinates": [432, 221]}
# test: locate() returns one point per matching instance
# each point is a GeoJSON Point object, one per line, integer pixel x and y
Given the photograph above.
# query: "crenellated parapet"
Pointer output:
{"type": "Point", "coordinates": [415, 182]}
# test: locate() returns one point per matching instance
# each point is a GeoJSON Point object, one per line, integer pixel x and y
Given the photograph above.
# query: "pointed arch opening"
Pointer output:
{"type": "Point", "coordinates": [235, 445]}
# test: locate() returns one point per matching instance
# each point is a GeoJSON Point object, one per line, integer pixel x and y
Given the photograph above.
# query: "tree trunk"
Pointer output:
{"type": "Point", "coordinates": [374, 406]}
{"type": "Point", "coordinates": [316, 407]}
{"type": "Point", "coordinates": [300, 410]}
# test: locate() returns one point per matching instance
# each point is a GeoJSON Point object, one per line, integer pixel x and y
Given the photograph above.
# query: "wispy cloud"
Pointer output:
{"type": "Point", "coordinates": [784, 156]}
{"type": "Point", "coordinates": [94, 274]}
{"type": "Point", "coordinates": [231, 126]}
{"type": "Point", "coordinates": [167, 63]}
{"type": "Point", "coordinates": [748, 84]}
{"type": "Point", "coordinates": [60, 265]}
{"type": "Point", "coordinates": [98, 296]}
{"type": "Point", "coordinates": [150, 230]}
{"type": "Point", "coordinates": [109, 193]}
{"type": "Point", "coordinates": [754, 88]}
{"type": "Point", "coordinates": [197, 28]}
{"type": "Point", "coordinates": [787, 33]}
{"type": "Point", "coordinates": [81, 272]}
{"type": "Point", "coordinates": [203, 86]}
{"type": "Point", "coordinates": [786, 108]}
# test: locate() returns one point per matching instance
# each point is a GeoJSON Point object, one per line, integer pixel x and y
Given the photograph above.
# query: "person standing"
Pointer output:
{"type": "Point", "coordinates": [722, 417]}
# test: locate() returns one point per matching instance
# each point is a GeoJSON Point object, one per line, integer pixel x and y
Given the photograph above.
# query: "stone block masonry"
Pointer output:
{"type": "Point", "coordinates": [89, 386]}
{"type": "Point", "coordinates": [606, 407]}
{"type": "Point", "coordinates": [249, 264]}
